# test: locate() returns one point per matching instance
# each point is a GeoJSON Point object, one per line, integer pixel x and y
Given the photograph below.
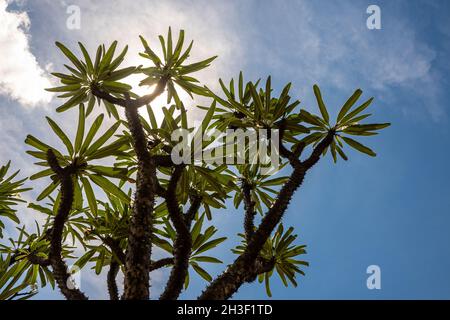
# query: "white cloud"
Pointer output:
{"type": "Point", "coordinates": [21, 77]}
{"type": "Point", "coordinates": [331, 45]}
{"type": "Point", "coordinates": [212, 26]}
{"type": "Point", "coordinates": [342, 49]}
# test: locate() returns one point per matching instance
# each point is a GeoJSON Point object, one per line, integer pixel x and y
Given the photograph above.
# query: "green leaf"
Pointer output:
{"type": "Point", "coordinates": [41, 174]}
{"type": "Point", "coordinates": [169, 46]}
{"type": "Point", "coordinates": [179, 46]}
{"type": "Point", "coordinates": [114, 86]}
{"type": "Point", "coordinates": [201, 272]}
{"type": "Point", "coordinates": [102, 140]}
{"type": "Point", "coordinates": [185, 55]}
{"type": "Point", "coordinates": [209, 115]}
{"type": "Point", "coordinates": [163, 46]}
{"type": "Point", "coordinates": [71, 56]}
{"type": "Point", "coordinates": [357, 111]}
{"type": "Point", "coordinates": [152, 117]}
{"type": "Point", "coordinates": [80, 129]}
{"type": "Point", "coordinates": [100, 261]}
{"type": "Point", "coordinates": [41, 209]}
{"type": "Point", "coordinates": [117, 61]}
{"type": "Point", "coordinates": [68, 88]}
{"type": "Point", "coordinates": [309, 118]}
{"type": "Point", "coordinates": [107, 58]}
{"type": "Point", "coordinates": [168, 120]}
{"type": "Point", "coordinates": [88, 60]}
{"type": "Point", "coordinates": [111, 108]}
{"type": "Point", "coordinates": [354, 120]}
{"type": "Point", "coordinates": [149, 52]}
{"type": "Point", "coordinates": [109, 150]}
{"type": "Point", "coordinates": [38, 144]}
{"type": "Point", "coordinates": [194, 67]}
{"type": "Point", "coordinates": [274, 182]}
{"type": "Point", "coordinates": [210, 245]}
{"type": "Point", "coordinates": [113, 172]}
{"type": "Point", "coordinates": [268, 89]}
{"type": "Point", "coordinates": [333, 151]}
{"type": "Point", "coordinates": [206, 259]}
{"type": "Point", "coordinates": [80, 263]}
{"type": "Point", "coordinates": [367, 127]}
{"type": "Point", "coordinates": [98, 57]}
{"type": "Point", "coordinates": [92, 131]}
{"type": "Point", "coordinates": [323, 109]}
{"type": "Point", "coordinates": [61, 135]}
{"type": "Point", "coordinates": [92, 201]}
{"type": "Point", "coordinates": [341, 153]}
{"type": "Point", "coordinates": [348, 104]}
{"type": "Point", "coordinates": [47, 191]}
{"type": "Point", "coordinates": [120, 74]}
{"type": "Point", "coordinates": [75, 100]}
{"type": "Point", "coordinates": [257, 100]}
{"type": "Point", "coordinates": [267, 284]}
{"type": "Point", "coordinates": [197, 228]}
{"type": "Point", "coordinates": [109, 187]}
{"type": "Point", "coordinates": [91, 104]}
{"type": "Point", "coordinates": [358, 146]}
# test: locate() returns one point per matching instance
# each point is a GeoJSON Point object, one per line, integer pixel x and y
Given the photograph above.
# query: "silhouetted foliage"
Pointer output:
{"type": "Point", "coordinates": [115, 193]}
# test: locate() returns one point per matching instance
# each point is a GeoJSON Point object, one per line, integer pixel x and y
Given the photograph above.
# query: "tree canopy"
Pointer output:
{"type": "Point", "coordinates": [115, 193]}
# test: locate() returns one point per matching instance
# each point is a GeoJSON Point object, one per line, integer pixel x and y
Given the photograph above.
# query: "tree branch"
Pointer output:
{"type": "Point", "coordinates": [113, 244]}
{"type": "Point", "coordinates": [96, 91]}
{"type": "Point", "coordinates": [163, 160]}
{"type": "Point", "coordinates": [196, 202]}
{"type": "Point", "coordinates": [32, 257]}
{"type": "Point", "coordinates": [144, 100]}
{"type": "Point", "coordinates": [136, 284]}
{"type": "Point", "coordinates": [111, 280]}
{"type": "Point", "coordinates": [67, 195]}
{"type": "Point", "coordinates": [224, 286]}
{"type": "Point", "coordinates": [293, 157]}
{"type": "Point", "coordinates": [138, 253]}
{"type": "Point", "coordinates": [183, 242]}
{"type": "Point", "coordinates": [134, 103]}
{"type": "Point", "coordinates": [164, 262]}
{"type": "Point", "coordinates": [318, 150]}
{"type": "Point", "coordinates": [249, 206]}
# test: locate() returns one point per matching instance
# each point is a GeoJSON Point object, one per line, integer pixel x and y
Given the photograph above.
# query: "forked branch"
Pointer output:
{"type": "Point", "coordinates": [244, 268]}
{"type": "Point", "coordinates": [59, 267]}
{"type": "Point", "coordinates": [183, 243]}
{"type": "Point", "coordinates": [138, 253]}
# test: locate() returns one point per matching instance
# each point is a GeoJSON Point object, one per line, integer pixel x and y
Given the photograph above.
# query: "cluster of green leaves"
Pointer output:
{"type": "Point", "coordinates": [11, 284]}
{"type": "Point", "coordinates": [262, 186]}
{"type": "Point", "coordinates": [347, 123]}
{"type": "Point", "coordinates": [9, 195]}
{"type": "Point", "coordinates": [283, 252]}
{"type": "Point", "coordinates": [18, 272]}
{"type": "Point", "coordinates": [171, 67]}
{"type": "Point", "coordinates": [110, 222]}
{"type": "Point", "coordinates": [212, 184]}
{"type": "Point", "coordinates": [249, 106]}
{"type": "Point", "coordinates": [202, 241]}
{"type": "Point", "coordinates": [76, 223]}
{"type": "Point", "coordinates": [102, 72]}
{"type": "Point", "coordinates": [79, 155]}
{"type": "Point", "coordinates": [18, 277]}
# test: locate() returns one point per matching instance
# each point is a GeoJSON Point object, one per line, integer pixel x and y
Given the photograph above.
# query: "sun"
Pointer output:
{"type": "Point", "coordinates": [160, 102]}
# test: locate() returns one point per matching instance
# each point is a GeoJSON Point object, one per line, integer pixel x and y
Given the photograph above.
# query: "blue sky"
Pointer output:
{"type": "Point", "coordinates": [391, 211]}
